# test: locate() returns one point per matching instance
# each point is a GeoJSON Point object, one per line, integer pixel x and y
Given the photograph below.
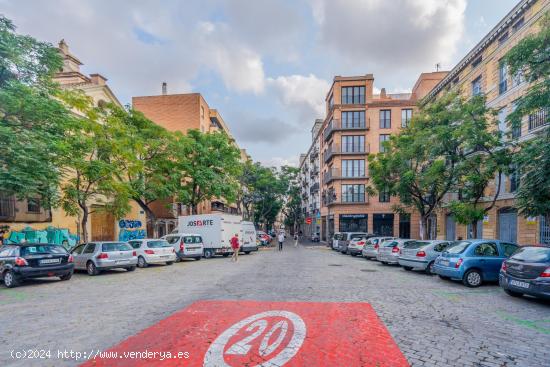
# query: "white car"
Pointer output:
{"type": "Point", "coordinates": [153, 251]}
{"type": "Point", "coordinates": [186, 245]}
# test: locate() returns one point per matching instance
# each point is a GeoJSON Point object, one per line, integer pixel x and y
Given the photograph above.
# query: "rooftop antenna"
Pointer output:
{"type": "Point", "coordinates": [437, 66]}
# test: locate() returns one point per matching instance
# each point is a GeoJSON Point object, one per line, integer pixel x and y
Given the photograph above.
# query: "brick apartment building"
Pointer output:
{"type": "Point", "coordinates": [357, 123]}
{"type": "Point", "coordinates": [182, 112]}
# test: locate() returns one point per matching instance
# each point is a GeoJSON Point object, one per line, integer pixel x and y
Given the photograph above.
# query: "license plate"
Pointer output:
{"type": "Point", "coordinates": [50, 261]}
{"type": "Point", "coordinates": [517, 283]}
{"type": "Point", "coordinates": [165, 257]}
{"type": "Point", "coordinates": [122, 261]}
{"type": "Point", "coordinates": [445, 262]}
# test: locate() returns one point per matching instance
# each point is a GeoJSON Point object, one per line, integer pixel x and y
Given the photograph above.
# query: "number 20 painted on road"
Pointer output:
{"type": "Point", "coordinates": [257, 324]}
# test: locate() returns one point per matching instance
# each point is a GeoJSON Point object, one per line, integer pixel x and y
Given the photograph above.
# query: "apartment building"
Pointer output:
{"type": "Point", "coordinates": [357, 123]}
{"type": "Point", "coordinates": [30, 215]}
{"type": "Point", "coordinates": [310, 167]}
{"type": "Point", "coordinates": [182, 112]}
{"type": "Point", "coordinates": [482, 71]}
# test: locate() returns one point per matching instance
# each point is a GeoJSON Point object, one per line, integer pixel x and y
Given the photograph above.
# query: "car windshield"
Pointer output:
{"type": "Point", "coordinates": [416, 244]}
{"type": "Point", "coordinates": [338, 236]}
{"type": "Point", "coordinates": [532, 254]}
{"type": "Point", "coordinates": [357, 235]}
{"type": "Point", "coordinates": [158, 244]}
{"type": "Point", "coordinates": [115, 246]}
{"type": "Point", "coordinates": [192, 239]}
{"type": "Point", "coordinates": [42, 249]}
{"type": "Point", "coordinates": [389, 243]}
{"type": "Point", "coordinates": [458, 247]}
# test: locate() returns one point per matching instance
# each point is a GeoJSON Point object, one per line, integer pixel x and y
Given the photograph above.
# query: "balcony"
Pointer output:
{"type": "Point", "coordinates": [314, 154]}
{"type": "Point", "coordinates": [336, 174]}
{"type": "Point", "coordinates": [336, 125]}
{"type": "Point", "coordinates": [335, 149]}
{"type": "Point", "coordinates": [539, 119]}
{"type": "Point", "coordinates": [314, 188]}
{"type": "Point", "coordinates": [348, 199]}
{"type": "Point", "coordinates": [314, 171]}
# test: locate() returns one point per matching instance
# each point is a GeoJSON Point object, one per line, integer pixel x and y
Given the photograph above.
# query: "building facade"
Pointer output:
{"type": "Point", "coordinates": [29, 219]}
{"type": "Point", "coordinates": [482, 71]}
{"type": "Point", "coordinates": [357, 124]}
{"type": "Point", "coordinates": [310, 167]}
{"type": "Point", "coordinates": [182, 112]}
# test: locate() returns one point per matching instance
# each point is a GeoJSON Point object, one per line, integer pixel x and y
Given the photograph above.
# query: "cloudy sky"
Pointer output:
{"type": "Point", "coordinates": [266, 65]}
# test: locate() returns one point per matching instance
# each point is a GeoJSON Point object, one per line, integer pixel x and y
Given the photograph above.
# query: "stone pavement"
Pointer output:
{"type": "Point", "coordinates": [434, 322]}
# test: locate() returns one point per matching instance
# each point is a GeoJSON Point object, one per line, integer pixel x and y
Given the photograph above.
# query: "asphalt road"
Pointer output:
{"type": "Point", "coordinates": [434, 322]}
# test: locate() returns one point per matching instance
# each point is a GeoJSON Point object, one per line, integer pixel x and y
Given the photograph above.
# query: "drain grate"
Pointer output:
{"type": "Point", "coordinates": [369, 270]}
{"type": "Point", "coordinates": [334, 264]}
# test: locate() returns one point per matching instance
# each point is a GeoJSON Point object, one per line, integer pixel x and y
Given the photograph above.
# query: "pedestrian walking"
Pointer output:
{"type": "Point", "coordinates": [281, 239]}
{"type": "Point", "coordinates": [235, 246]}
{"type": "Point", "coordinates": [295, 239]}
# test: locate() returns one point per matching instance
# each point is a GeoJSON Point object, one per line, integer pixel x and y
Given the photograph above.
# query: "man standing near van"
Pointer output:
{"type": "Point", "coordinates": [281, 239]}
{"type": "Point", "coordinates": [235, 246]}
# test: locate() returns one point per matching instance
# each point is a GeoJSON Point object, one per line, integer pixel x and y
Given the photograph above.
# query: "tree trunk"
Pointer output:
{"type": "Point", "coordinates": [474, 229]}
{"type": "Point", "coordinates": [84, 223]}
{"type": "Point", "coordinates": [150, 217]}
{"type": "Point", "coordinates": [423, 227]}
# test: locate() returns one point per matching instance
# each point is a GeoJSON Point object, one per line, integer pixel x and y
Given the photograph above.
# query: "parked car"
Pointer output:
{"type": "Point", "coordinates": [388, 251]}
{"type": "Point", "coordinates": [346, 237]}
{"type": "Point", "coordinates": [370, 249]}
{"type": "Point", "coordinates": [186, 245]}
{"type": "Point", "coordinates": [263, 239]}
{"type": "Point", "coordinates": [19, 262]}
{"type": "Point", "coordinates": [315, 237]}
{"type": "Point", "coordinates": [153, 251]}
{"type": "Point", "coordinates": [335, 238]}
{"type": "Point", "coordinates": [266, 237]}
{"type": "Point", "coordinates": [102, 255]}
{"type": "Point", "coordinates": [527, 271]}
{"type": "Point", "coordinates": [421, 254]}
{"type": "Point", "coordinates": [355, 246]}
{"type": "Point", "coordinates": [473, 261]}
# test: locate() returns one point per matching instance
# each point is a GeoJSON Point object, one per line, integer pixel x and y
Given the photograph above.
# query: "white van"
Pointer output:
{"type": "Point", "coordinates": [186, 245]}
{"type": "Point", "coordinates": [248, 238]}
{"type": "Point", "coordinates": [215, 229]}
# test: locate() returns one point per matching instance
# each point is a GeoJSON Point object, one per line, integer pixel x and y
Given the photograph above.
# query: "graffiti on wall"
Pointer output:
{"type": "Point", "coordinates": [130, 230]}
{"type": "Point", "coordinates": [58, 236]}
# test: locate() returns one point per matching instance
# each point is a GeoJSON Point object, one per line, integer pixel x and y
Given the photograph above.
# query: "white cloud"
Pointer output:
{"type": "Point", "coordinates": [306, 94]}
{"type": "Point", "coordinates": [280, 161]}
{"type": "Point", "coordinates": [397, 33]}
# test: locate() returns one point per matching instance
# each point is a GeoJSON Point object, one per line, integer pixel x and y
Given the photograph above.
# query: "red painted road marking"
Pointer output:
{"type": "Point", "coordinates": [251, 333]}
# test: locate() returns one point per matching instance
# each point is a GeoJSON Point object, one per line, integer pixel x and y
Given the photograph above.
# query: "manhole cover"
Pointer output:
{"type": "Point", "coordinates": [334, 264]}
{"type": "Point", "coordinates": [369, 270]}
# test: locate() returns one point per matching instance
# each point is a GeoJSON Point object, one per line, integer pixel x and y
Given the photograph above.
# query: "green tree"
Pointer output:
{"type": "Point", "coordinates": [530, 60]}
{"type": "Point", "coordinates": [267, 193]}
{"type": "Point", "coordinates": [210, 166]}
{"type": "Point", "coordinates": [292, 209]}
{"type": "Point", "coordinates": [33, 118]}
{"type": "Point", "coordinates": [91, 168]}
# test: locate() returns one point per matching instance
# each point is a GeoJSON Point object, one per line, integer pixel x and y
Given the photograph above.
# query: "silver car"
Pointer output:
{"type": "Point", "coordinates": [388, 252]}
{"type": "Point", "coordinates": [97, 256]}
{"type": "Point", "coordinates": [370, 249]}
{"type": "Point", "coordinates": [186, 245]}
{"type": "Point", "coordinates": [421, 254]}
{"type": "Point", "coordinates": [346, 237]}
{"type": "Point", "coordinates": [151, 251]}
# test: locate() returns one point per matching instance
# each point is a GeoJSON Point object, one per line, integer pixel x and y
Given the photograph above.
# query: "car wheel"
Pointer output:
{"type": "Point", "coordinates": [131, 268]}
{"type": "Point", "coordinates": [198, 258]}
{"type": "Point", "coordinates": [444, 277]}
{"type": "Point", "coordinates": [472, 278]}
{"type": "Point", "coordinates": [10, 279]}
{"type": "Point", "coordinates": [91, 269]}
{"type": "Point", "coordinates": [353, 254]}
{"type": "Point", "coordinates": [225, 255]}
{"type": "Point", "coordinates": [430, 268]}
{"type": "Point", "coordinates": [208, 254]}
{"type": "Point", "coordinates": [512, 293]}
{"type": "Point", "coordinates": [383, 263]}
{"type": "Point", "coordinates": [141, 262]}
{"type": "Point", "coordinates": [408, 268]}
{"type": "Point", "coordinates": [178, 259]}
{"type": "Point", "coordinates": [247, 252]}
{"type": "Point", "coordinates": [66, 276]}
{"type": "Point", "coordinates": [169, 262]}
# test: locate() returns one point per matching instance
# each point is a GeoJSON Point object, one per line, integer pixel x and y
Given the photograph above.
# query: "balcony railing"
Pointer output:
{"type": "Point", "coordinates": [347, 149]}
{"type": "Point", "coordinates": [314, 171]}
{"type": "Point", "coordinates": [314, 188]}
{"type": "Point", "coordinates": [314, 154]}
{"type": "Point", "coordinates": [346, 199]}
{"type": "Point", "coordinates": [337, 174]}
{"type": "Point", "coordinates": [337, 125]}
{"type": "Point", "coordinates": [539, 118]}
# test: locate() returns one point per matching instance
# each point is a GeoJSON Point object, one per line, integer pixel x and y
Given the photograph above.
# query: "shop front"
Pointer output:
{"type": "Point", "coordinates": [353, 222]}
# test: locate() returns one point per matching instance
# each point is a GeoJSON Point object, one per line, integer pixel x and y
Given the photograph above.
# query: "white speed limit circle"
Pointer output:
{"type": "Point", "coordinates": [257, 325]}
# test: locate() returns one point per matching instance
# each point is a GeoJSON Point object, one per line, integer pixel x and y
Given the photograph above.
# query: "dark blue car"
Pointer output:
{"type": "Point", "coordinates": [473, 261]}
{"type": "Point", "coordinates": [527, 271]}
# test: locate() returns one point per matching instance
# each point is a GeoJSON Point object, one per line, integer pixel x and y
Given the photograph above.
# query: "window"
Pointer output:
{"type": "Point", "coordinates": [353, 193]}
{"type": "Point", "coordinates": [516, 130]}
{"type": "Point", "coordinates": [135, 244]}
{"type": "Point", "coordinates": [115, 246]}
{"type": "Point", "coordinates": [383, 138]}
{"type": "Point", "coordinates": [476, 62]}
{"type": "Point", "coordinates": [78, 250]}
{"type": "Point", "coordinates": [503, 38]}
{"type": "Point", "coordinates": [33, 205]}
{"type": "Point", "coordinates": [440, 247]}
{"type": "Point", "coordinates": [353, 95]}
{"type": "Point", "coordinates": [6, 252]}
{"type": "Point", "coordinates": [331, 101]}
{"type": "Point", "coordinates": [514, 178]}
{"type": "Point", "coordinates": [406, 116]}
{"type": "Point", "coordinates": [502, 125]}
{"type": "Point", "coordinates": [538, 118]}
{"type": "Point", "coordinates": [385, 119]}
{"type": "Point", "coordinates": [353, 144]}
{"type": "Point", "coordinates": [508, 248]}
{"type": "Point", "coordinates": [486, 249]}
{"type": "Point", "coordinates": [502, 77]}
{"type": "Point", "coordinates": [455, 81]}
{"type": "Point", "coordinates": [89, 249]}
{"type": "Point", "coordinates": [384, 196]}
{"type": "Point", "coordinates": [476, 86]}
{"type": "Point", "coordinates": [517, 78]}
{"type": "Point", "coordinates": [353, 168]}
{"type": "Point", "coordinates": [158, 244]}
{"type": "Point", "coordinates": [517, 25]}
{"type": "Point", "coordinates": [353, 119]}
